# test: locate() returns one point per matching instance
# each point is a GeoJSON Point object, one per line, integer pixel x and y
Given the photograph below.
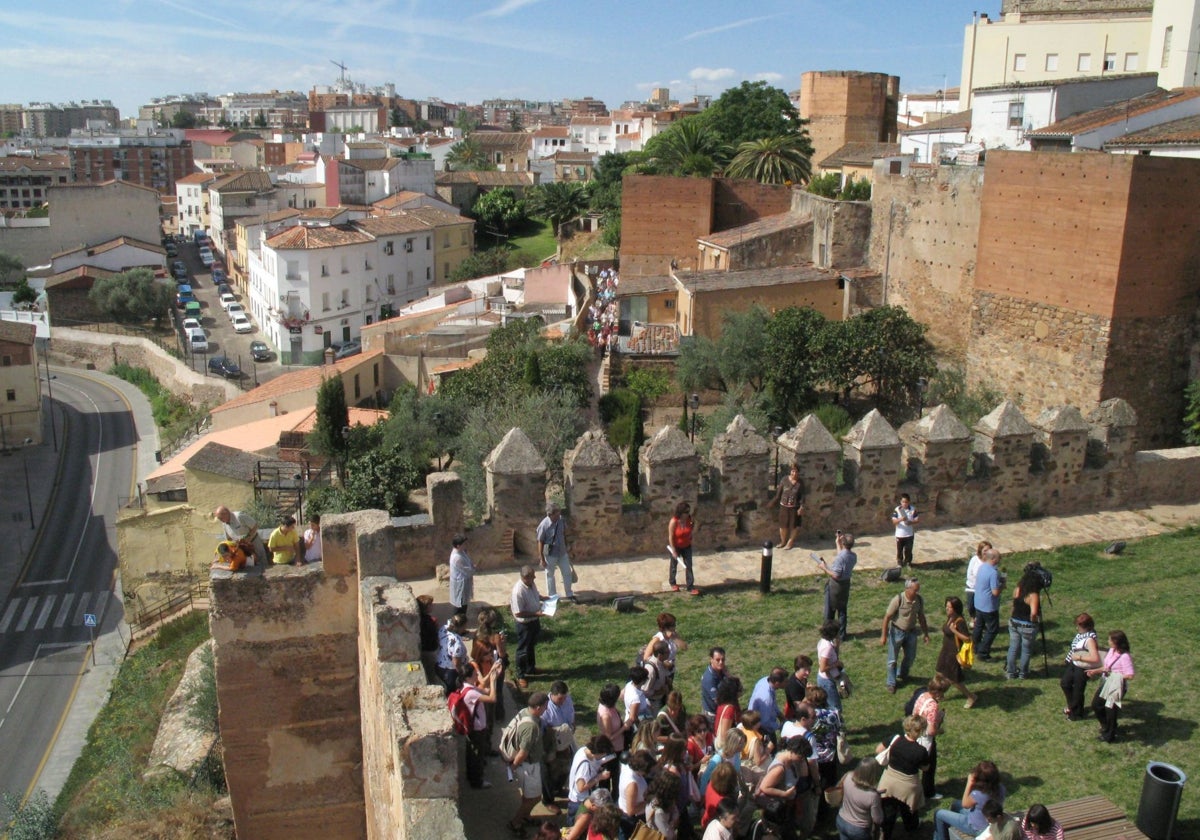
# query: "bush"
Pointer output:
{"type": "Point", "coordinates": [1191, 413]}
{"type": "Point", "coordinates": [649, 383]}
{"type": "Point", "coordinates": [33, 820]}
{"type": "Point", "coordinates": [174, 416]}
{"type": "Point", "coordinates": [949, 387]}
{"type": "Point", "coordinates": [834, 418]}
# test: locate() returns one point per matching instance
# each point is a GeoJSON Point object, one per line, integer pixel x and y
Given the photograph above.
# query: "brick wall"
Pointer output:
{"type": "Point", "coordinates": [845, 106]}
{"type": "Point", "coordinates": [660, 220]}
{"type": "Point", "coordinates": [739, 202]}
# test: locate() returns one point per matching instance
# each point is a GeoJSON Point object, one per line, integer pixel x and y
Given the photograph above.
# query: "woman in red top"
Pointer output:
{"type": "Point", "coordinates": [699, 740]}
{"type": "Point", "coordinates": [679, 545]}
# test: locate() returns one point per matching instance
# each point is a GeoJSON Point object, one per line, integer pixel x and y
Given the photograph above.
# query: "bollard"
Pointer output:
{"type": "Point", "coordinates": [764, 572]}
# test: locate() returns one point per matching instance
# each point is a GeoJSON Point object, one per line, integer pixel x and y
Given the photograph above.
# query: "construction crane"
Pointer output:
{"type": "Point", "coordinates": [342, 66]}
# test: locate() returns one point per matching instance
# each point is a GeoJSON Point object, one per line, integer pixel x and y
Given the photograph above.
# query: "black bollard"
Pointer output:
{"type": "Point", "coordinates": [764, 573]}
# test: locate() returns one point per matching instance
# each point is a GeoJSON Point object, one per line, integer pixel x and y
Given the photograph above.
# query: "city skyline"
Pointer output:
{"type": "Point", "coordinates": [133, 51]}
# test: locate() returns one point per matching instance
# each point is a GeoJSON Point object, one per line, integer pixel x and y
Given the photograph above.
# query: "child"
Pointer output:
{"type": "Point", "coordinates": [1000, 825]}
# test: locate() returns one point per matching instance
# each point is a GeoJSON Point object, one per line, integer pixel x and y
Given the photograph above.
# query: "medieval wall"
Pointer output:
{"type": "Point", "coordinates": [710, 306]}
{"type": "Point", "coordinates": [924, 235]}
{"type": "Point", "coordinates": [740, 201]}
{"type": "Point", "coordinates": [846, 106]}
{"type": "Point", "coordinates": [785, 247]}
{"type": "Point", "coordinates": [660, 219]}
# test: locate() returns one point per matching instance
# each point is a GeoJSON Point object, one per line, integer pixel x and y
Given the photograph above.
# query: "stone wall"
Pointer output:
{"type": "Point", "coordinates": [660, 220]}
{"type": "Point", "coordinates": [81, 348]}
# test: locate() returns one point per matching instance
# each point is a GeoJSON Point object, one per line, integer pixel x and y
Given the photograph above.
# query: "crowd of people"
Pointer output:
{"type": "Point", "coordinates": [737, 764]}
{"type": "Point", "coordinates": [242, 544]}
{"type": "Point", "coordinates": [604, 313]}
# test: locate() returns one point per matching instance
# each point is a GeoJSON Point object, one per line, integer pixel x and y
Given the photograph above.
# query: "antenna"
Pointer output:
{"type": "Point", "coordinates": [343, 66]}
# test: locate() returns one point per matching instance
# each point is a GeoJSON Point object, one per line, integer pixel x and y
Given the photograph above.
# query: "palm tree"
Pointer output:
{"type": "Point", "coordinates": [467, 156]}
{"type": "Point", "coordinates": [560, 203]}
{"type": "Point", "coordinates": [689, 148]}
{"type": "Point", "coordinates": [774, 160]}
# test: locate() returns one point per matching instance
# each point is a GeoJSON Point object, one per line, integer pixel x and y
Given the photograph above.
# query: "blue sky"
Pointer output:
{"type": "Point", "coordinates": [132, 50]}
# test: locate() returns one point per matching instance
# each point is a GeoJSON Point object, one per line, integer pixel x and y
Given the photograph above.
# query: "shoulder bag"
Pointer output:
{"type": "Point", "coordinates": [886, 756]}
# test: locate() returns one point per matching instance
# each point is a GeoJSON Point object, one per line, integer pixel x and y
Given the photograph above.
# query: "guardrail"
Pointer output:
{"type": "Point", "coordinates": [157, 613]}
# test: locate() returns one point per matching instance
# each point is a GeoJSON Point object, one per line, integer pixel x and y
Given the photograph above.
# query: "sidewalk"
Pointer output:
{"type": "Point", "coordinates": [604, 580]}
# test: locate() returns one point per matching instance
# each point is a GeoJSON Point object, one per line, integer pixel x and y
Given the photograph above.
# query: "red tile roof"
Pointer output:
{"type": "Point", "coordinates": [305, 379]}
{"type": "Point", "coordinates": [1114, 113]}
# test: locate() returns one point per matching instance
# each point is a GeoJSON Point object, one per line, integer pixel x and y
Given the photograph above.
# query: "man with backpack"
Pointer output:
{"type": "Point", "coordinates": [522, 746]}
{"type": "Point", "coordinates": [470, 717]}
{"type": "Point", "coordinates": [904, 613]}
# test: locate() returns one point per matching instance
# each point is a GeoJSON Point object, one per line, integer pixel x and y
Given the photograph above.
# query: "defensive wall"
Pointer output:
{"type": "Point", "coordinates": [847, 106]}
{"type": "Point", "coordinates": [328, 725]}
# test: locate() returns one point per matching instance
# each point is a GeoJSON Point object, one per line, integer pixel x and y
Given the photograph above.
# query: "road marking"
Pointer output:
{"type": "Point", "coordinates": [8, 614]}
{"type": "Point", "coordinates": [29, 669]}
{"type": "Point", "coordinates": [30, 606]}
{"type": "Point", "coordinates": [82, 608]}
{"type": "Point", "coordinates": [64, 610]}
{"type": "Point", "coordinates": [44, 615]}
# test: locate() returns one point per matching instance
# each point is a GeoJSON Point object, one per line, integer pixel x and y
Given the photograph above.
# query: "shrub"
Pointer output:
{"type": "Point", "coordinates": [1191, 412]}
{"type": "Point", "coordinates": [834, 418]}
{"type": "Point", "coordinates": [648, 383]}
{"type": "Point", "coordinates": [949, 386]}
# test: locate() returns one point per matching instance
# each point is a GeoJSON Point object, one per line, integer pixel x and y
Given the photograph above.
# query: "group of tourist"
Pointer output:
{"type": "Point", "coordinates": [243, 545]}
{"type": "Point", "coordinates": [604, 314]}
{"type": "Point", "coordinates": [714, 771]}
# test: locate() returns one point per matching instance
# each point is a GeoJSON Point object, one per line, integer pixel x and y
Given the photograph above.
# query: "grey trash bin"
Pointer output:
{"type": "Point", "coordinates": [1162, 789]}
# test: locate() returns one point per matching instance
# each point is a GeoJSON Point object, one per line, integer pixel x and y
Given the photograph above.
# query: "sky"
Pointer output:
{"type": "Point", "coordinates": [130, 51]}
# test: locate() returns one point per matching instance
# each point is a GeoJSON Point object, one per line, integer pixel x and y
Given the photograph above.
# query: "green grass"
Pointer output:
{"type": "Point", "coordinates": [1151, 592]}
{"type": "Point", "coordinates": [105, 787]}
{"type": "Point", "coordinates": [533, 243]}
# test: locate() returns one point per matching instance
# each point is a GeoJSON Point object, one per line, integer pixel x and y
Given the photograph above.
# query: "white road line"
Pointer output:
{"type": "Point", "coordinates": [8, 614]}
{"type": "Point", "coordinates": [81, 609]}
{"type": "Point", "coordinates": [50, 582]}
{"type": "Point", "coordinates": [44, 615]}
{"type": "Point", "coordinates": [30, 606]}
{"type": "Point", "coordinates": [64, 610]}
{"type": "Point", "coordinates": [32, 663]}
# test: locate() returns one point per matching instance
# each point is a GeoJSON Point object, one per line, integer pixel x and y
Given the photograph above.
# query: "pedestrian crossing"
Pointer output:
{"type": "Point", "coordinates": [55, 611]}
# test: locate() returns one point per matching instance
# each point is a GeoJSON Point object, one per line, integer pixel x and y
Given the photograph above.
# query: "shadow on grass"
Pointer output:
{"type": "Point", "coordinates": [1141, 721]}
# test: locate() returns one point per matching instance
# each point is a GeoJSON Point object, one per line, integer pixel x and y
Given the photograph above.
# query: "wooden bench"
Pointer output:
{"type": "Point", "coordinates": [1094, 818]}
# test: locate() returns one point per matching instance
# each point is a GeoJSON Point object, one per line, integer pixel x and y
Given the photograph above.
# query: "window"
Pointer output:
{"type": "Point", "coordinates": [12, 394]}
{"type": "Point", "coordinates": [668, 304]}
{"type": "Point", "coordinates": [428, 242]}
{"type": "Point", "coordinates": [345, 298]}
{"type": "Point", "coordinates": [388, 248]}
{"type": "Point", "coordinates": [1016, 114]}
{"type": "Point", "coordinates": [1085, 62]}
{"type": "Point", "coordinates": [1019, 62]}
{"type": "Point", "coordinates": [428, 272]}
{"type": "Point", "coordinates": [1110, 61]}
{"type": "Point", "coordinates": [1167, 33]}
{"type": "Point", "coordinates": [375, 373]}
{"type": "Point", "coordinates": [324, 301]}
{"type": "Point", "coordinates": [446, 239]}
{"type": "Point", "coordinates": [1131, 62]}
{"type": "Point", "coordinates": [445, 271]}
{"type": "Point", "coordinates": [1051, 62]}
{"type": "Point", "coordinates": [357, 391]}
{"type": "Point", "coordinates": [324, 270]}
{"type": "Point", "coordinates": [408, 245]}
{"type": "Point", "coordinates": [408, 279]}
{"type": "Point", "coordinates": [6, 361]}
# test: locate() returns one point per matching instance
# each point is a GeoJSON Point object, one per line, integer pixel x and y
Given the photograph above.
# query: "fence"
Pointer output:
{"type": "Point", "coordinates": [146, 616]}
{"type": "Point", "coordinates": [167, 345]}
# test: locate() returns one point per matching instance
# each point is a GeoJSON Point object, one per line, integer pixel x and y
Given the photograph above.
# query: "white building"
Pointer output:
{"type": "Point", "coordinates": [191, 201]}
{"type": "Point", "coordinates": [313, 285]}
{"type": "Point", "coordinates": [929, 141]}
{"type": "Point", "coordinates": [1094, 130]}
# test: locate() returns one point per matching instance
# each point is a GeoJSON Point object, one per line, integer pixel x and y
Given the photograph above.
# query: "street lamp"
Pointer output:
{"type": "Point", "coordinates": [694, 403]}
{"type": "Point", "coordinates": [345, 451]}
{"type": "Point", "coordinates": [25, 464]}
{"type": "Point", "coordinates": [437, 434]}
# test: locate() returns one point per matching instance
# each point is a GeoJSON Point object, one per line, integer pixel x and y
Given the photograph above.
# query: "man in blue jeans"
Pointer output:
{"type": "Point", "coordinates": [987, 605]}
{"type": "Point", "coordinates": [904, 613]}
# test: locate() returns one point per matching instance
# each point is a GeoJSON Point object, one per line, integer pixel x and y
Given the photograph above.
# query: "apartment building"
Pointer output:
{"type": "Point", "coordinates": [191, 202]}
{"type": "Point", "coordinates": [25, 181]}
{"type": "Point", "coordinates": [154, 158]}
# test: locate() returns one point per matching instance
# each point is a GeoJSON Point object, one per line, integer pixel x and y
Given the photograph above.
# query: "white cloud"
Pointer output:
{"type": "Point", "coordinates": [711, 74]}
{"type": "Point", "coordinates": [507, 8]}
{"type": "Point", "coordinates": [769, 76]}
{"type": "Point", "coordinates": [648, 85]}
{"type": "Point", "coordinates": [725, 27]}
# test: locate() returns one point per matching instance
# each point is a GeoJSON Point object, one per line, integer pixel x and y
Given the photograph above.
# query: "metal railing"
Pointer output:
{"type": "Point", "coordinates": [144, 616]}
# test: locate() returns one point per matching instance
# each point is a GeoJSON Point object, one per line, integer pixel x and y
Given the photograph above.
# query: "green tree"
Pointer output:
{"type": "Point", "coordinates": [698, 366]}
{"type": "Point", "coordinates": [423, 427]}
{"type": "Point", "coordinates": [560, 203]}
{"type": "Point", "coordinates": [466, 122]}
{"type": "Point", "coordinates": [482, 264]}
{"type": "Point", "coordinates": [515, 122]}
{"type": "Point", "coordinates": [327, 437]}
{"type": "Point", "coordinates": [468, 156]}
{"type": "Point", "coordinates": [499, 209]}
{"type": "Point", "coordinates": [260, 120]}
{"type": "Point", "coordinates": [11, 268]}
{"type": "Point", "coordinates": [132, 297]}
{"type": "Point", "coordinates": [751, 111]}
{"type": "Point", "coordinates": [856, 190]}
{"type": "Point", "coordinates": [24, 293]}
{"type": "Point", "coordinates": [398, 118]}
{"type": "Point", "coordinates": [884, 348]}
{"type": "Point", "coordinates": [826, 185]}
{"type": "Point", "coordinates": [688, 148]}
{"type": "Point", "coordinates": [792, 369]}
{"type": "Point", "coordinates": [774, 160]}
{"type": "Point", "coordinates": [183, 119]}
{"type": "Point", "coordinates": [381, 479]}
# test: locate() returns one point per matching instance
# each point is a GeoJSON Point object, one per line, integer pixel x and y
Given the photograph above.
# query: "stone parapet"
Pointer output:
{"type": "Point", "coordinates": [740, 459]}
{"type": "Point", "coordinates": [516, 489]}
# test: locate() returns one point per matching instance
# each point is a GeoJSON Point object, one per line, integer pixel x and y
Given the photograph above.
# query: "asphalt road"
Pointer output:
{"type": "Point", "coordinates": [44, 643]}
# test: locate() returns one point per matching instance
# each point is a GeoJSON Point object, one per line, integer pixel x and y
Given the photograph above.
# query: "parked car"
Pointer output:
{"type": "Point", "coordinates": [234, 309]}
{"type": "Point", "coordinates": [191, 324]}
{"type": "Point", "coordinates": [200, 237]}
{"type": "Point", "coordinates": [241, 323]}
{"type": "Point", "coordinates": [348, 348]}
{"type": "Point", "coordinates": [191, 309]}
{"type": "Point", "coordinates": [197, 341]}
{"type": "Point", "coordinates": [182, 299]}
{"type": "Point", "coordinates": [260, 351]}
{"type": "Point", "coordinates": [172, 250]}
{"type": "Point", "coordinates": [179, 270]}
{"type": "Point", "coordinates": [218, 274]}
{"type": "Point", "coordinates": [223, 289]}
{"type": "Point", "coordinates": [224, 366]}
{"type": "Point", "coordinates": [206, 256]}
{"type": "Point", "coordinates": [228, 300]}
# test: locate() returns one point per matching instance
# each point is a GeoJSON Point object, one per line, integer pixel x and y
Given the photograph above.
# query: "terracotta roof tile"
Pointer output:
{"type": "Point", "coordinates": [305, 379]}
{"type": "Point", "coordinates": [960, 121]}
{"type": "Point", "coordinates": [323, 236]}
{"type": "Point", "coordinates": [860, 154]}
{"type": "Point", "coordinates": [1114, 113]}
{"type": "Point", "coordinates": [753, 230]}
{"type": "Point", "coordinates": [13, 163]}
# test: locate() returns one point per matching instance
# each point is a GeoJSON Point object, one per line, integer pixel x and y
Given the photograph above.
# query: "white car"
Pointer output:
{"type": "Point", "coordinates": [234, 309]}
{"type": "Point", "coordinates": [228, 300]}
{"type": "Point", "coordinates": [241, 323]}
{"type": "Point", "coordinates": [206, 257]}
{"type": "Point", "coordinates": [197, 341]}
{"type": "Point", "coordinates": [190, 324]}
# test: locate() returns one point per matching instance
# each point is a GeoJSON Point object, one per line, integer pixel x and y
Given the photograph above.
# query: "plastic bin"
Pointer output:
{"type": "Point", "coordinates": [1162, 788]}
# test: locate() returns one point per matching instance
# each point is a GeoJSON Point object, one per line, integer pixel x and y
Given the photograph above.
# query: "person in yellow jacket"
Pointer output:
{"type": "Point", "coordinates": [284, 542]}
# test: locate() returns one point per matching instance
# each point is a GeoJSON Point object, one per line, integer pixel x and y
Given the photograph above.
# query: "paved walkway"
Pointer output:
{"type": "Point", "coordinates": [482, 810]}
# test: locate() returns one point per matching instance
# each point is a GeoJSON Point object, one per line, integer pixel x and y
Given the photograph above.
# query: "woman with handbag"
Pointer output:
{"type": "Point", "coordinates": [1083, 655]}
{"type": "Point", "coordinates": [1117, 671]}
{"type": "Point", "coordinates": [785, 793]}
{"type": "Point", "coordinates": [954, 635]}
{"type": "Point", "coordinates": [929, 706]}
{"type": "Point", "coordinates": [903, 759]}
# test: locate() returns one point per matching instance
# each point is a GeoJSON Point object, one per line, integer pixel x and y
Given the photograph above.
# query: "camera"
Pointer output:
{"type": "Point", "coordinates": [838, 532]}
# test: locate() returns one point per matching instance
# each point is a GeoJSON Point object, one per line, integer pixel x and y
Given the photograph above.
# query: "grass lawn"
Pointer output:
{"type": "Point", "coordinates": [1151, 592]}
{"type": "Point", "coordinates": [105, 795]}
{"type": "Point", "coordinates": [532, 243]}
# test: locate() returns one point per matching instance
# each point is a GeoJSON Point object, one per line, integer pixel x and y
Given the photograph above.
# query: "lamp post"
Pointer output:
{"type": "Point", "coordinates": [25, 464]}
{"type": "Point", "coordinates": [778, 433]}
{"type": "Point", "coordinates": [345, 452]}
{"type": "Point", "coordinates": [50, 392]}
{"type": "Point", "coordinates": [437, 435]}
{"type": "Point", "coordinates": [694, 403]}
{"type": "Point", "coordinates": [922, 387]}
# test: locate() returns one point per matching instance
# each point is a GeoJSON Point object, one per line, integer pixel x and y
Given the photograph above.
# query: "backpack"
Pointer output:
{"type": "Point", "coordinates": [892, 574]}
{"type": "Point", "coordinates": [459, 712]}
{"type": "Point", "coordinates": [911, 705]}
{"type": "Point", "coordinates": [508, 737]}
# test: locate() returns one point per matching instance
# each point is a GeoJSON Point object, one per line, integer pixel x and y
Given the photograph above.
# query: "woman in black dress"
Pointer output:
{"type": "Point", "coordinates": [954, 633]}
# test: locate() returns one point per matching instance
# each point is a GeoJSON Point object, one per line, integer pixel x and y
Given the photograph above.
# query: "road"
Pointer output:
{"type": "Point", "coordinates": [44, 644]}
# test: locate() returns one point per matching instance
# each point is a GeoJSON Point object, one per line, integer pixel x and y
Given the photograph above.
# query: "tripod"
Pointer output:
{"type": "Point", "coordinates": [1042, 627]}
